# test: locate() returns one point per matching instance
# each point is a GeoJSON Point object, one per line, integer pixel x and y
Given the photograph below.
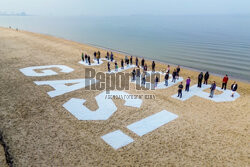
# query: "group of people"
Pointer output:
{"type": "Point", "coordinates": [86, 58]}
{"type": "Point", "coordinates": [110, 56]}
{"type": "Point", "coordinates": [175, 75]}
{"type": "Point", "coordinates": [97, 56]}
{"type": "Point", "coordinates": [225, 79]}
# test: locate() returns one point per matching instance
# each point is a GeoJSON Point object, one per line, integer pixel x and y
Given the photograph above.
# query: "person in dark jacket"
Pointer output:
{"type": "Point", "coordinates": [108, 55]}
{"type": "Point", "coordinates": [234, 87]}
{"type": "Point", "coordinates": [143, 76]}
{"type": "Point", "coordinates": [206, 76]}
{"type": "Point", "coordinates": [86, 58]}
{"type": "Point", "coordinates": [156, 81]}
{"type": "Point", "coordinates": [188, 81]}
{"type": "Point", "coordinates": [178, 69]}
{"type": "Point", "coordinates": [111, 56]}
{"type": "Point", "coordinates": [138, 72]}
{"type": "Point", "coordinates": [142, 62]}
{"type": "Point", "coordinates": [174, 76]}
{"type": "Point", "coordinates": [131, 60]}
{"type": "Point", "coordinates": [136, 62]}
{"type": "Point", "coordinates": [153, 66]}
{"type": "Point", "coordinates": [133, 74]}
{"type": "Point", "coordinates": [126, 60]}
{"type": "Point", "coordinates": [212, 89]}
{"type": "Point", "coordinates": [180, 87]}
{"type": "Point", "coordinates": [145, 69]}
{"type": "Point", "coordinates": [122, 64]}
{"type": "Point", "coordinates": [82, 57]}
{"type": "Point", "coordinates": [89, 60]}
{"type": "Point", "coordinates": [108, 67]}
{"type": "Point", "coordinates": [95, 55]}
{"type": "Point", "coordinates": [200, 77]}
{"type": "Point", "coordinates": [224, 82]}
{"type": "Point", "coordinates": [168, 69]}
{"type": "Point", "coordinates": [166, 78]}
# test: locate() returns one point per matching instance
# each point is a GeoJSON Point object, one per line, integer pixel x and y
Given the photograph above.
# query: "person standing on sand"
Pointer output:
{"type": "Point", "coordinates": [145, 69]}
{"type": "Point", "coordinates": [212, 88]}
{"type": "Point", "coordinates": [166, 78]}
{"type": "Point", "coordinates": [111, 56]}
{"type": "Point", "coordinates": [131, 60]}
{"type": "Point", "coordinates": [156, 81]}
{"type": "Point", "coordinates": [224, 82]}
{"type": "Point", "coordinates": [98, 57]}
{"type": "Point", "coordinates": [178, 69]}
{"type": "Point", "coordinates": [234, 87]}
{"type": "Point", "coordinates": [82, 57]}
{"type": "Point", "coordinates": [206, 76]}
{"type": "Point", "coordinates": [136, 61]}
{"type": "Point", "coordinates": [108, 67]}
{"type": "Point", "coordinates": [89, 60]}
{"type": "Point", "coordinates": [188, 81]}
{"type": "Point", "coordinates": [142, 62]}
{"type": "Point", "coordinates": [143, 78]}
{"type": "Point", "coordinates": [108, 55]}
{"type": "Point", "coordinates": [116, 66]}
{"type": "Point", "coordinates": [126, 60]}
{"type": "Point", "coordinates": [174, 76]}
{"type": "Point", "coordinates": [153, 66]}
{"type": "Point", "coordinates": [95, 55]}
{"type": "Point", "coordinates": [86, 58]}
{"type": "Point", "coordinates": [133, 74]}
{"type": "Point", "coordinates": [99, 53]}
{"type": "Point", "coordinates": [122, 64]}
{"type": "Point", "coordinates": [200, 77]}
{"type": "Point", "coordinates": [180, 87]}
{"type": "Point", "coordinates": [138, 72]}
{"type": "Point", "coordinates": [168, 69]}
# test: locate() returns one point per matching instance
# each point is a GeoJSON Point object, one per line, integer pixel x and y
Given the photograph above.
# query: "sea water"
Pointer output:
{"type": "Point", "coordinates": [218, 44]}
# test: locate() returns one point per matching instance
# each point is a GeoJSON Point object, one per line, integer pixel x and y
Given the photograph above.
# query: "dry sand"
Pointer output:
{"type": "Point", "coordinates": [40, 132]}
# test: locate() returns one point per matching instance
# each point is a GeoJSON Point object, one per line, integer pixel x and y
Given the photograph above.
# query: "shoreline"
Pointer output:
{"type": "Point", "coordinates": [124, 53]}
{"type": "Point", "coordinates": [164, 63]}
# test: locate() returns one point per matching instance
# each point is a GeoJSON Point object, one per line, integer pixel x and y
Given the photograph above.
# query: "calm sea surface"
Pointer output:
{"type": "Point", "coordinates": [219, 44]}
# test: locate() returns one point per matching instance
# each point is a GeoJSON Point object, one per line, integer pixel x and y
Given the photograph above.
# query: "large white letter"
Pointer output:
{"type": "Point", "coordinates": [61, 88]}
{"type": "Point", "coordinates": [106, 106]}
{"type": "Point", "coordinates": [30, 71]}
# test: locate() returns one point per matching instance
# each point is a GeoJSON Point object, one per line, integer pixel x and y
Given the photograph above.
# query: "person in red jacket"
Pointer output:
{"type": "Point", "coordinates": [224, 82]}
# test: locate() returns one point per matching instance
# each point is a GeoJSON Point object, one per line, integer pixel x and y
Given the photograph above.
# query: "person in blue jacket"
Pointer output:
{"type": "Point", "coordinates": [212, 89]}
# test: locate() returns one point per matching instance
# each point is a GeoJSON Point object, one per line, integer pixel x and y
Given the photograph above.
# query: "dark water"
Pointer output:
{"type": "Point", "coordinates": [219, 44]}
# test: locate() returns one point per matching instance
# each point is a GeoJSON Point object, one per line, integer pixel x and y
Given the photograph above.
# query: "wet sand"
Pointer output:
{"type": "Point", "coordinates": [40, 132]}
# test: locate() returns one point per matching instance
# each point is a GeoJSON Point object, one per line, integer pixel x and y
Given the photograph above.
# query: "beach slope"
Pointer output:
{"type": "Point", "coordinates": [39, 131]}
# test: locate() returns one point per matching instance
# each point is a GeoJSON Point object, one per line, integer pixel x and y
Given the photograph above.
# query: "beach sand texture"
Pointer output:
{"type": "Point", "coordinates": [40, 132]}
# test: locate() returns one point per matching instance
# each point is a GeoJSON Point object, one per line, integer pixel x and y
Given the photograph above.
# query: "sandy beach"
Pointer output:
{"type": "Point", "coordinates": [39, 131]}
